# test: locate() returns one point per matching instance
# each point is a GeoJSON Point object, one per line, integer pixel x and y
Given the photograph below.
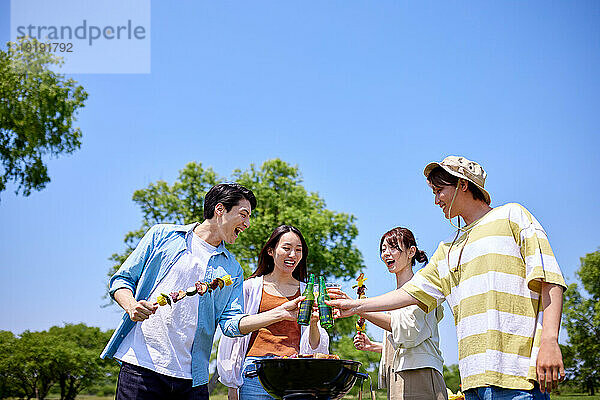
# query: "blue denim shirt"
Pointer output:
{"type": "Point", "coordinates": [150, 262]}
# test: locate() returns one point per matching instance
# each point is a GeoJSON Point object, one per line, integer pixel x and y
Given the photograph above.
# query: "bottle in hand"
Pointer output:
{"type": "Point", "coordinates": [306, 307]}
{"type": "Point", "coordinates": [325, 313]}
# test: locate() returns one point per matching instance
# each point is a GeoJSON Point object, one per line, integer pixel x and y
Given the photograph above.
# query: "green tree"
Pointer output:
{"type": "Point", "coordinates": [281, 198]}
{"type": "Point", "coordinates": [582, 322]}
{"type": "Point", "coordinates": [37, 111]}
{"type": "Point", "coordinates": [9, 385]}
{"type": "Point", "coordinates": [75, 358]}
{"type": "Point", "coordinates": [452, 377]}
{"type": "Point", "coordinates": [33, 363]}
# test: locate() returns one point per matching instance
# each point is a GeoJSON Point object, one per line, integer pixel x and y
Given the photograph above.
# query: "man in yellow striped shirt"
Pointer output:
{"type": "Point", "coordinates": [502, 282]}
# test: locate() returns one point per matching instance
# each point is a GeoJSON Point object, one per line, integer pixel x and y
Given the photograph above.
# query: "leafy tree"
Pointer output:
{"type": "Point", "coordinates": [37, 111]}
{"type": "Point", "coordinates": [32, 364]}
{"type": "Point", "coordinates": [9, 385]}
{"type": "Point", "coordinates": [281, 200]}
{"type": "Point", "coordinates": [452, 377]}
{"type": "Point", "coordinates": [75, 357]}
{"type": "Point", "coordinates": [582, 322]}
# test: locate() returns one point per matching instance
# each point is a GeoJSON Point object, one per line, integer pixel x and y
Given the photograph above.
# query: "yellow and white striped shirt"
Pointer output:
{"type": "Point", "coordinates": [492, 280]}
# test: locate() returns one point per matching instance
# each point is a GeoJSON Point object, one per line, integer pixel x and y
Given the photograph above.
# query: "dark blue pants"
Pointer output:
{"type": "Point", "coordinates": [137, 383]}
{"type": "Point", "coordinates": [497, 393]}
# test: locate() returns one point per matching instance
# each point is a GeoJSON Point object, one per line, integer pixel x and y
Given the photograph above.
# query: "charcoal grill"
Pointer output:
{"type": "Point", "coordinates": [307, 378]}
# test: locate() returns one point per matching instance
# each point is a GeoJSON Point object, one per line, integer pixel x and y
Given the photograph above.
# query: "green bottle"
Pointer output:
{"type": "Point", "coordinates": [325, 313]}
{"type": "Point", "coordinates": [306, 306]}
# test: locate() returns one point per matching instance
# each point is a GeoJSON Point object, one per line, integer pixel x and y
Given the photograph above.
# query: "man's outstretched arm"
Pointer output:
{"type": "Point", "coordinates": [393, 300]}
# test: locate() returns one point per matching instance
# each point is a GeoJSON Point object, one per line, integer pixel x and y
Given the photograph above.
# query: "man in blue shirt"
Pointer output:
{"type": "Point", "coordinates": [165, 351]}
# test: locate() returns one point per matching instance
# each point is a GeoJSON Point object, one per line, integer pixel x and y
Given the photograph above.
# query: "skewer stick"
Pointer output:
{"type": "Point", "coordinates": [199, 288]}
{"type": "Point", "coordinates": [360, 292]}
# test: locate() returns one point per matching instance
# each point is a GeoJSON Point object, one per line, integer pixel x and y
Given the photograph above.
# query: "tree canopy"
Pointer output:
{"type": "Point", "coordinates": [37, 111]}
{"type": "Point", "coordinates": [33, 363]}
{"type": "Point", "coordinates": [281, 200]}
{"type": "Point", "coordinates": [582, 322]}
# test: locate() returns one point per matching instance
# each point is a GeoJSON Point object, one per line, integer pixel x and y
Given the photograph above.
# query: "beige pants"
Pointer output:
{"type": "Point", "coordinates": [416, 384]}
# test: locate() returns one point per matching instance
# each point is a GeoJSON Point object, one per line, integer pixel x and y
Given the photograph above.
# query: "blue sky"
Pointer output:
{"type": "Point", "coordinates": [360, 95]}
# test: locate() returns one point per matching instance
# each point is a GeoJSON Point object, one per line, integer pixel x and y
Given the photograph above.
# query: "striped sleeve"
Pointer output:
{"type": "Point", "coordinates": [426, 284]}
{"type": "Point", "coordinates": [540, 262]}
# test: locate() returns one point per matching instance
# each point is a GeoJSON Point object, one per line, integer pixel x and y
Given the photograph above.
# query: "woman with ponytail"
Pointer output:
{"type": "Point", "coordinates": [411, 361]}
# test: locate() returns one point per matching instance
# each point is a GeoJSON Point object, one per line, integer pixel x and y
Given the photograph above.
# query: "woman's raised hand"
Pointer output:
{"type": "Point", "coordinates": [362, 341]}
{"type": "Point", "coordinates": [314, 317]}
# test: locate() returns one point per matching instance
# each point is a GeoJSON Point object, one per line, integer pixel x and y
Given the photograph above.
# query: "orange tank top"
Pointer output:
{"type": "Point", "coordinates": [279, 339]}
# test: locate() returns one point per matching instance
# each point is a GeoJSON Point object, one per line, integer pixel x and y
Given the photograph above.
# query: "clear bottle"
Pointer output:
{"type": "Point", "coordinates": [325, 312]}
{"type": "Point", "coordinates": [306, 307]}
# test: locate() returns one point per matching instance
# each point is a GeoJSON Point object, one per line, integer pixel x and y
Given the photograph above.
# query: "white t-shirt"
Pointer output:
{"type": "Point", "coordinates": [163, 342]}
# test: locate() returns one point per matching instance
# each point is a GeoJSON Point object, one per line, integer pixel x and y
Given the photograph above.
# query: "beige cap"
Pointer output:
{"type": "Point", "coordinates": [464, 169]}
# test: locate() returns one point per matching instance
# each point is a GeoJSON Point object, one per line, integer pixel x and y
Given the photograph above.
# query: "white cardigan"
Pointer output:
{"type": "Point", "coordinates": [232, 351]}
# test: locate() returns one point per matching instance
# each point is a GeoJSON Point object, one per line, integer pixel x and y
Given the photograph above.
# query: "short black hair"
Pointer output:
{"type": "Point", "coordinates": [439, 177]}
{"type": "Point", "coordinates": [228, 194]}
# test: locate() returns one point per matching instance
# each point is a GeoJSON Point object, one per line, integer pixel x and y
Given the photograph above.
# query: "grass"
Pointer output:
{"type": "Point", "coordinates": [575, 397]}
{"type": "Point", "coordinates": [380, 396]}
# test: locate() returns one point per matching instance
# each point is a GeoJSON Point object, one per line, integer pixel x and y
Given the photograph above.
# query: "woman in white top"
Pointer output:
{"type": "Point", "coordinates": [279, 277]}
{"type": "Point", "coordinates": [411, 362]}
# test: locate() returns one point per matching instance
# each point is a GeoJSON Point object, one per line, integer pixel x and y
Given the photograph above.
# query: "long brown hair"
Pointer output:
{"type": "Point", "coordinates": [398, 235]}
{"type": "Point", "coordinates": [266, 265]}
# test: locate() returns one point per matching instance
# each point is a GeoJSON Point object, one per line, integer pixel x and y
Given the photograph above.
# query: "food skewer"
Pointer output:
{"type": "Point", "coordinates": [199, 288]}
{"type": "Point", "coordinates": [360, 292]}
{"type": "Point", "coordinates": [361, 325]}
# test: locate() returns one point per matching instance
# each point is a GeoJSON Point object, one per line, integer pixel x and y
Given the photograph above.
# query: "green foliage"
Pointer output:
{"type": "Point", "coordinates": [582, 322]}
{"type": "Point", "coordinates": [9, 383]}
{"type": "Point", "coordinates": [32, 364]}
{"type": "Point", "coordinates": [77, 358]}
{"type": "Point", "coordinates": [452, 377]}
{"type": "Point", "coordinates": [37, 111]}
{"type": "Point", "coordinates": [281, 200]}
